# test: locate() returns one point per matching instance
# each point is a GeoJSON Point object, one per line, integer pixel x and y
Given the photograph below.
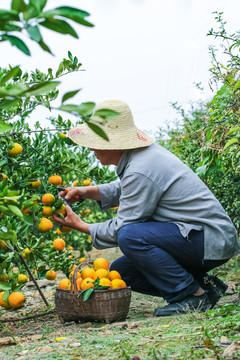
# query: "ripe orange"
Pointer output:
{"type": "Point", "coordinates": [79, 282]}
{"type": "Point", "coordinates": [71, 275]}
{"type": "Point", "coordinates": [27, 251]}
{"type": "Point", "coordinates": [87, 273]}
{"type": "Point", "coordinates": [82, 259]}
{"type": "Point", "coordinates": [87, 283]}
{"type": "Point", "coordinates": [105, 282]}
{"type": "Point", "coordinates": [48, 199]}
{"type": "Point", "coordinates": [58, 231]}
{"type": "Point", "coordinates": [100, 273]}
{"type": "Point", "coordinates": [16, 299]}
{"type": "Point", "coordinates": [70, 248]}
{"type": "Point", "coordinates": [114, 275]}
{"type": "Point", "coordinates": [36, 184]}
{"type": "Point", "coordinates": [62, 135]}
{"type": "Point", "coordinates": [62, 210]}
{"type": "Point", "coordinates": [65, 229]}
{"type": "Point", "coordinates": [3, 303]}
{"type": "Point", "coordinates": [22, 279]}
{"type": "Point", "coordinates": [17, 149]}
{"type": "Point", "coordinates": [100, 263]}
{"type": "Point", "coordinates": [72, 267]}
{"type": "Point", "coordinates": [51, 275]}
{"type": "Point", "coordinates": [118, 283]}
{"type": "Point", "coordinates": [47, 211]}
{"type": "Point", "coordinates": [45, 225]}
{"type": "Point", "coordinates": [64, 284]}
{"type": "Point", "coordinates": [3, 244]}
{"type": "Point", "coordinates": [55, 180]}
{"type": "Point", "coordinates": [59, 244]}
{"type": "Point", "coordinates": [76, 183]}
{"type": "Point", "coordinates": [86, 182]}
{"type": "Point", "coordinates": [24, 211]}
{"type": "Point", "coordinates": [3, 176]}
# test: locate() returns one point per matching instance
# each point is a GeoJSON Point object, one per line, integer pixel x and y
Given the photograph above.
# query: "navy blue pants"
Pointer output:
{"type": "Point", "coordinates": [159, 261]}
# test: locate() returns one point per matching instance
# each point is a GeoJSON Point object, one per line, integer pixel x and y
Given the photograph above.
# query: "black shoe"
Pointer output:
{"type": "Point", "coordinates": [191, 303]}
{"type": "Point", "coordinates": [216, 288]}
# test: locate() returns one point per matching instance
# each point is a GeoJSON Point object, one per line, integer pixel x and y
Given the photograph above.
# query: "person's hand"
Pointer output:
{"type": "Point", "coordinates": [72, 221]}
{"type": "Point", "coordinates": [71, 194]}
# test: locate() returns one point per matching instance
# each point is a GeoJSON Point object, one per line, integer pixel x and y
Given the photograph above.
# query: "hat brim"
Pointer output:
{"type": "Point", "coordinates": [117, 139]}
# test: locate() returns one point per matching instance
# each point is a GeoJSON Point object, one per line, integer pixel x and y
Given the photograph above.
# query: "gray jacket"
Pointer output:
{"type": "Point", "coordinates": [156, 186]}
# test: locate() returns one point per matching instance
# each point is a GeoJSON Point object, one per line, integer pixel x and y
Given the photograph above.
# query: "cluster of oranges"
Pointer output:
{"type": "Point", "coordinates": [88, 275]}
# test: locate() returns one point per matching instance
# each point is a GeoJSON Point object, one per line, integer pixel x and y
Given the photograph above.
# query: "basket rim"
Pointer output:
{"type": "Point", "coordinates": [96, 291]}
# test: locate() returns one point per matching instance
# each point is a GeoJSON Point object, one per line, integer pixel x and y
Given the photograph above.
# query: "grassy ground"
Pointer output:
{"type": "Point", "coordinates": [212, 335]}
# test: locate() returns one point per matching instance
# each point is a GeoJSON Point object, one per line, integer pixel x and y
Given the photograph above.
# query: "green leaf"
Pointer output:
{"type": "Point", "coordinates": [16, 211]}
{"type": "Point", "coordinates": [15, 90]}
{"type": "Point", "coordinates": [98, 130]}
{"type": "Point", "coordinates": [36, 4]}
{"type": "Point", "coordinates": [18, 5]}
{"type": "Point", "coordinates": [88, 293]}
{"type": "Point", "coordinates": [2, 162]}
{"type": "Point", "coordinates": [44, 47]}
{"type": "Point", "coordinates": [28, 219]}
{"type": "Point", "coordinates": [69, 95]}
{"type": "Point", "coordinates": [6, 295]}
{"type": "Point", "coordinates": [233, 130]}
{"type": "Point", "coordinates": [15, 41]}
{"type": "Point", "coordinates": [5, 127]}
{"type": "Point", "coordinates": [59, 26]}
{"type": "Point", "coordinates": [10, 74]}
{"type": "Point", "coordinates": [230, 142]}
{"type": "Point", "coordinates": [71, 13]}
{"type": "Point", "coordinates": [6, 15]}
{"type": "Point", "coordinates": [237, 85]}
{"type": "Point", "coordinates": [82, 109]}
{"type": "Point", "coordinates": [201, 171]}
{"type": "Point", "coordinates": [106, 113]}
{"type": "Point", "coordinates": [42, 88]}
{"type": "Point", "coordinates": [4, 286]}
{"type": "Point", "coordinates": [34, 33]}
{"type": "Point", "coordinates": [8, 235]}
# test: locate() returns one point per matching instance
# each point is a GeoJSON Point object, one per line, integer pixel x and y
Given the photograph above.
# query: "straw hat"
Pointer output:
{"type": "Point", "coordinates": [121, 130]}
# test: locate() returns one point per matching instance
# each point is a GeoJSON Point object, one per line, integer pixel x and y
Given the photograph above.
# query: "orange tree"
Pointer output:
{"type": "Point", "coordinates": [34, 160]}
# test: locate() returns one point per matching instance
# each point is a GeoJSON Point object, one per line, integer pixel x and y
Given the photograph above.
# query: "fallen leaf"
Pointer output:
{"type": "Point", "coordinates": [233, 347]}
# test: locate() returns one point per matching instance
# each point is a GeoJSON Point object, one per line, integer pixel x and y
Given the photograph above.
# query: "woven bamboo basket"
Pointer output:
{"type": "Point", "coordinates": [103, 305]}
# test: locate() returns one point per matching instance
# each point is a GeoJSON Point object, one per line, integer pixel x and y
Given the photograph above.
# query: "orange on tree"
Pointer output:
{"type": "Point", "coordinates": [82, 259]}
{"type": "Point", "coordinates": [47, 211]}
{"type": "Point", "coordinates": [3, 176]}
{"type": "Point", "coordinates": [87, 273]}
{"type": "Point", "coordinates": [100, 273]}
{"type": "Point", "coordinates": [100, 263]}
{"type": "Point", "coordinates": [48, 199]}
{"type": "Point", "coordinates": [65, 229]}
{"type": "Point", "coordinates": [15, 150]}
{"type": "Point", "coordinates": [70, 247]}
{"type": "Point", "coordinates": [22, 279]}
{"type": "Point", "coordinates": [45, 225]}
{"type": "Point", "coordinates": [105, 282]}
{"type": "Point", "coordinates": [4, 303]}
{"type": "Point", "coordinates": [118, 283]}
{"type": "Point", "coordinates": [62, 135]}
{"type": "Point", "coordinates": [63, 284]}
{"type": "Point", "coordinates": [55, 179]}
{"type": "Point", "coordinates": [27, 251]}
{"type": "Point", "coordinates": [62, 210]}
{"type": "Point", "coordinates": [51, 275]}
{"type": "Point", "coordinates": [58, 231]}
{"type": "Point", "coordinates": [72, 267]}
{"type": "Point", "coordinates": [59, 244]}
{"type": "Point", "coordinates": [24, 211]}
{"type": "Point", "coordinates": [3, 244]}
{"type": "Point", "coordinates": [87, 283]}
{"type": "Point", "coordinates": [87, 182]}
{"type": "Point", "coordinates": [16, 299]}
{"type": "Point", "coordinates": [36, 184]}
{"type": "Point", "coordinates": [114, 275]}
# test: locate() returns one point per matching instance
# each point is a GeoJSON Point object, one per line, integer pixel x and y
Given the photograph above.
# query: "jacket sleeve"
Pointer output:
{"type": "Point", "coordinates": [138, 201]}
{"type": "Point", "coordinates": [109, 194]}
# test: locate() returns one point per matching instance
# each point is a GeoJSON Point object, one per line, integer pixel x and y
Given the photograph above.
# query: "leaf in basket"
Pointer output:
{"type": "Point", "coordinates": [87, 294]}
{"type": "Point", "coordinates": [96, 282]}
{"type": "Point", "coordinates": [102, 287]}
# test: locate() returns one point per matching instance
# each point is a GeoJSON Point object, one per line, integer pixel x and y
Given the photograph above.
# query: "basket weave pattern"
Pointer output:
{"type": "Point", "coordinates": [103, 305]}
